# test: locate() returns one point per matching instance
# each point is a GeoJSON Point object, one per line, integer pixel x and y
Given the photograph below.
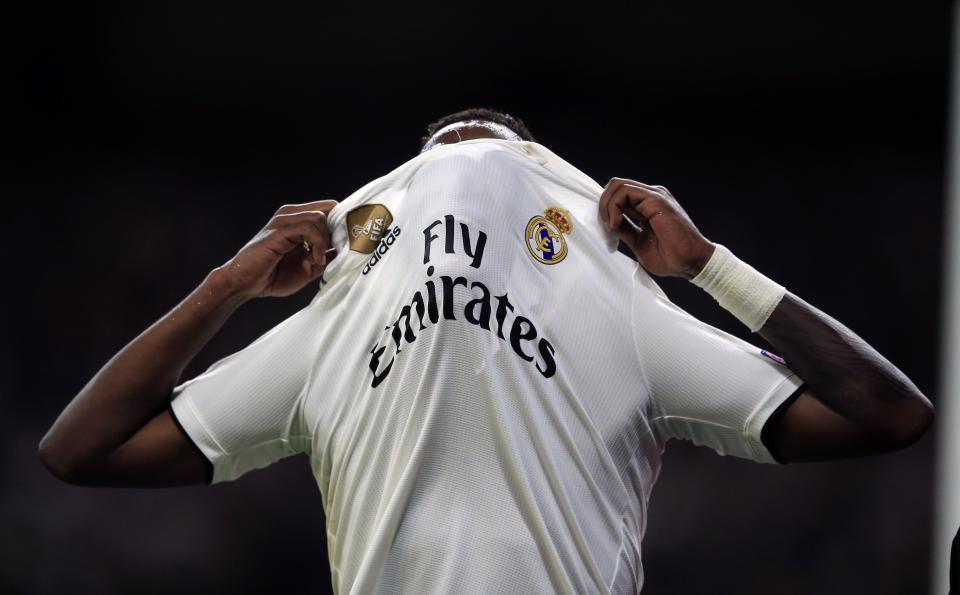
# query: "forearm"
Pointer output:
{"type": "Point", "coordinates": [857, 402]}
{"type": "Point", "coordinates": [135, 384]}
{"type": "Point", "coordinates": [844, 372]}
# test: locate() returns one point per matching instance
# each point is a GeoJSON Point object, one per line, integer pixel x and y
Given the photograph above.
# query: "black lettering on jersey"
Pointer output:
{"type": "Point", "coordinates": [382, 248]}
{"type": "Point", "coordinates": [448, 285]}
{"type": "Point", "coordinates": [375, 363]}
{"type": "Point", "coordinates": [483, 302]}
{"type": "Point", "coordinates": [432, 299]}
{"type": "Point", "coordinates": [475, 252]}
{"type": "Point", "coordinates": [476, 311]}
{"type": "Point", "coordinates": [517, 335]}
{"type": "Point", "coordinates": [409, 336]}
{"type": "Point", "coordinates": [502, 304]}
{"type": "Point", "coordinates": [546, 352]}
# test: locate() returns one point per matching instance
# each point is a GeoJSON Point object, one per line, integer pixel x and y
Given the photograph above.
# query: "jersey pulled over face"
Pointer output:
{"type": "Point", "coordinates": [483, 384]}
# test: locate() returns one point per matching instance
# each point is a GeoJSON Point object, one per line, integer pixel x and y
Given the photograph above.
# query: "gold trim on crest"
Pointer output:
{"type": "Point", "coordinates": [545, 232]}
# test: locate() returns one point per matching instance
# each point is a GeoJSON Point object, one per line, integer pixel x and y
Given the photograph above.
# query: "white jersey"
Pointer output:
{"type": "Point", "coordinates": [483, 384]}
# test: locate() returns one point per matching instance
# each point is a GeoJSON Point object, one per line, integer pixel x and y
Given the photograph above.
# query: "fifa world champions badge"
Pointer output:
{"type": "Point", "coordinates": [546, 235]}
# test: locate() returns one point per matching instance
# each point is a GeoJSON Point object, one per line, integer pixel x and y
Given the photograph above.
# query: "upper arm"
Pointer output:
{"type": "Point", "coordinates": [246, 411]}
{"type": "Point", "coordinates": [242, 413]}
{"type": "Point", "coordinates": [159, 454]}
{"type": "Point", "coordinates": [706, 385]}
{"type": "Point", "coordinates": [809, 430]}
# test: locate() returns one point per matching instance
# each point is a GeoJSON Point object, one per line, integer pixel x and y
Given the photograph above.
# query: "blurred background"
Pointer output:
{"type": "Point", "coordinates": [147, 142]}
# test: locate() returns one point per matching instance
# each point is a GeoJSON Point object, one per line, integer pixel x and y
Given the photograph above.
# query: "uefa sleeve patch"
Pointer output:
{"type": "Point", "coordinates": [773, 356]}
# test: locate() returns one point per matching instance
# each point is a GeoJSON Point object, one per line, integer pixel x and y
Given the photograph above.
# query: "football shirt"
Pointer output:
{"type": "Point", "coordinates": [483, 385]}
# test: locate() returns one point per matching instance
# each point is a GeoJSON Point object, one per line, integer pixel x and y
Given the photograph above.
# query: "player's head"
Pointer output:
{"type": "Point", "coordinates": [476, 122]}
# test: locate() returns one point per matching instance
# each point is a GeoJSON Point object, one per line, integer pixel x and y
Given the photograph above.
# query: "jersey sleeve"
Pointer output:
{"type": "Point", "coordinates": [706, 385]}
{"type": "Point", "coordinates": [244, 412]}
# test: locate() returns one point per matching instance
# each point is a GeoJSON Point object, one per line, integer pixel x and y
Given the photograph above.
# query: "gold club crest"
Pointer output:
{"type": "Point", "coordinates": [545, 235]}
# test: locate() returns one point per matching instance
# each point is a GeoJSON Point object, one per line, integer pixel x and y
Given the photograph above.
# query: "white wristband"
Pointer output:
{"type": "Point", "coordinates": [739, 288]}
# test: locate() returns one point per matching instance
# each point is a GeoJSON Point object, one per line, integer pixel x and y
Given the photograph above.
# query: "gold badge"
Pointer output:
{"type": "Point", "coordinates": [545, 235]}
{"type": "Point", "coordinates": [366, 226]}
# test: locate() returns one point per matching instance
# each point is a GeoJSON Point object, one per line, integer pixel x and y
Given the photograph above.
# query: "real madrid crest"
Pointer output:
{"type": "Point", "coordinates": [545, 235]}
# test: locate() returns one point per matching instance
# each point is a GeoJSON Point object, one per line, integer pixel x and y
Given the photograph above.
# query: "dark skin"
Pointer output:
{"type": "Point", "coordinates": [857, 403]}
{"type": "Point", "coordinates": [118, 431]}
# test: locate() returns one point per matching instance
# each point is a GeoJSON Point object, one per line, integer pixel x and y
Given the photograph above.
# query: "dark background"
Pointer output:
{"type": "Point", "coordinates": [148, 142]}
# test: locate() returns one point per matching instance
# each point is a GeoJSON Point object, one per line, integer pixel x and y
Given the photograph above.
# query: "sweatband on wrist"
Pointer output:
{"type": "Point", "coordinates": [739, 288]}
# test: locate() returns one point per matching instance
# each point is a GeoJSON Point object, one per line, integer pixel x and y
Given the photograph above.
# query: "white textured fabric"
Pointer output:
{"type": "Point", "coordinates": [739, 288]}
{"type": "Point", "coordinates": [478, 419]}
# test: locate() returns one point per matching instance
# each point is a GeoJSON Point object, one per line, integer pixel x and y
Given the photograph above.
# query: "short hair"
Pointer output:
{"type": "Point", "coordinates": [479, 113]}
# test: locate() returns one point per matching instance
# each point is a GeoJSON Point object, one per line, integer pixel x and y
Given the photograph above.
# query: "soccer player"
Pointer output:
{"type": "Point", "coordinates": [483, 383]}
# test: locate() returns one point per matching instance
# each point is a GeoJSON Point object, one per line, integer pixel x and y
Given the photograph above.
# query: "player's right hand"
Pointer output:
{"type": "Point", "coordinates": [276, 263]}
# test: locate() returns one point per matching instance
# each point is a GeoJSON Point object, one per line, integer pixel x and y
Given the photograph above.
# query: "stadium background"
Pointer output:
{"type": "Point", "coordinates": [149, 141]}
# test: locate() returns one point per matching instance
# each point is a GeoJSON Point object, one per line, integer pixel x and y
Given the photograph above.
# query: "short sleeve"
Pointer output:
{"type": "Point", "coordinates": [706, 385]}
{"type": "Point", "coordinates": [244, 412]}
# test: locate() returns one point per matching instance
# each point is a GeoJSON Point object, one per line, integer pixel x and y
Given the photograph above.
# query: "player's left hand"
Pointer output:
{"type": "Point", "coordinates": [668, 243]}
